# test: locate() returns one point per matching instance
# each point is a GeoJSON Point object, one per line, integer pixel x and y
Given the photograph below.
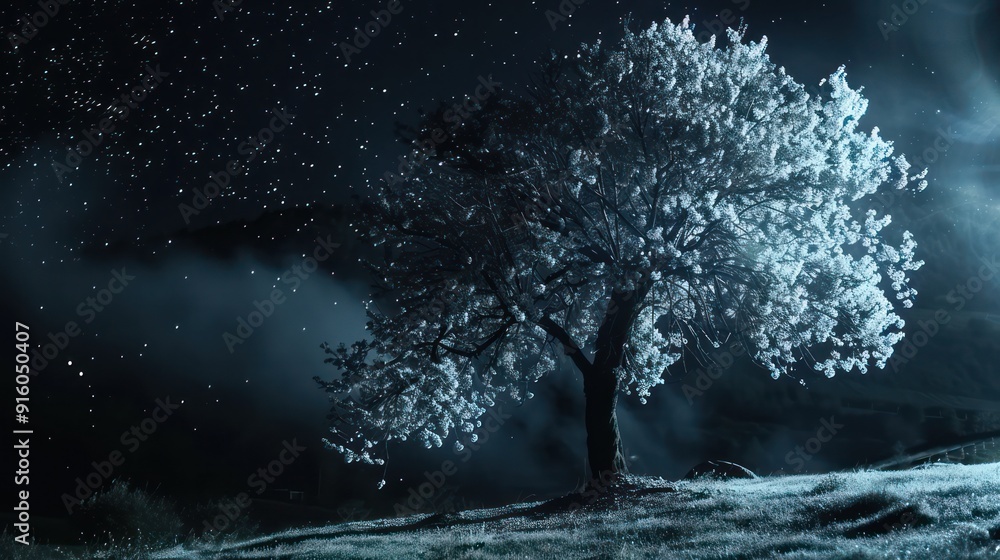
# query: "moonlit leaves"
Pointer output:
{"type": "Point", "coordinates": [732, 198]}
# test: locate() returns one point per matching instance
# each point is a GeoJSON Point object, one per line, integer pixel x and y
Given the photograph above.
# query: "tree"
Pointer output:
{"type": "Point", "coordinates": [640, 203]}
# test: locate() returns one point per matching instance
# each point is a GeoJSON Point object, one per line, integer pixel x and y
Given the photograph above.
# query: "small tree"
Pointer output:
{"type": "Point", "coordinates": [642, 200]}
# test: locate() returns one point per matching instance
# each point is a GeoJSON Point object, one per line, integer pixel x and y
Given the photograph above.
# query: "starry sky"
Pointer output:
{"type": "Point", "coordinates": [225, 73]}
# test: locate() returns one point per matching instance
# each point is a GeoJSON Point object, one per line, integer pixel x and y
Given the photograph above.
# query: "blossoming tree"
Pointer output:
{"type": "Point", "coordinates": [640, 200]}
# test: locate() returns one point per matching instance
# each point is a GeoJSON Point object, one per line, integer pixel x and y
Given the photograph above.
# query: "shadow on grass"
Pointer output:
{"type": "Point", "coordinates": [588, 499]}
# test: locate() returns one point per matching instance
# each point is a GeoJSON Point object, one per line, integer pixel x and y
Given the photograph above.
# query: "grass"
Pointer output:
{"type": "Point", "coordinates": [948, 511]}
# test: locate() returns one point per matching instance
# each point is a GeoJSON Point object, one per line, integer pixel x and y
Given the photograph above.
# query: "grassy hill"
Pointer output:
{"type": "Point", "coordinates": [937, 511]}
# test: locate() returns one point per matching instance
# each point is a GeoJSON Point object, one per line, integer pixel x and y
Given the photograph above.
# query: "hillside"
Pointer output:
{"type": "Point", "coordinates": [937, 511]}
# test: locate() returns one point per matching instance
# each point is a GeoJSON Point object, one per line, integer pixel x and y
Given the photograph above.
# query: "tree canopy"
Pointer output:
{"type": "Point", "coordinates": [638, 201]}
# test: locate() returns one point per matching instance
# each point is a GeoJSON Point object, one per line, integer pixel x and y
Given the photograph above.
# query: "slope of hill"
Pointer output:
{"type": "Point", "coordinates": [937, 511]}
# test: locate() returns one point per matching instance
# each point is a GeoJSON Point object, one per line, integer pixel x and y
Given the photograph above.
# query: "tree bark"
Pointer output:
{"type": "Point", "coordinates": [600, 385]}
{"type": "Point", "coordinates": [604, 450]}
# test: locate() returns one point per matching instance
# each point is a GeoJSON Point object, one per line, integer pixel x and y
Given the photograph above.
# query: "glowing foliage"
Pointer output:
{"type": "Point", "coordinates": [703, 181]}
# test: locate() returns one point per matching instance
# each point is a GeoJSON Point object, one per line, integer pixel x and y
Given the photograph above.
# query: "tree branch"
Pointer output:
{"type": "Point", "coordinates": [571, 348]}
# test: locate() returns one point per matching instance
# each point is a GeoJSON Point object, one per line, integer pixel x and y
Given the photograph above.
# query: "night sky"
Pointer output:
{"type": "Point", "coordinates": [225, 77]}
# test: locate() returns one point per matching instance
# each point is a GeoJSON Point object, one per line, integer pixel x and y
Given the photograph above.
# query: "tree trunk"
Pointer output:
{"type": "Point", "coordinates": [600, 385]}
{"type": "Point", "coordinates": [604, 452]}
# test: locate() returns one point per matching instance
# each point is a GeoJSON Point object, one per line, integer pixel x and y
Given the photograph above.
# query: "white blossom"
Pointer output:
{"type": "Point", "coordinates": [703, 182]}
